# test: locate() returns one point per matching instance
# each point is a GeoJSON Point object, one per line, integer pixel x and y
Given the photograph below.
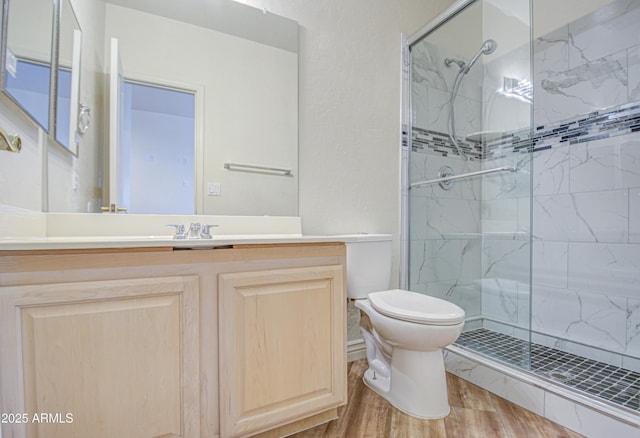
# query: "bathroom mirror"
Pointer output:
{"type": "Point", "coordinates": [68, 78]}
{"type": "Point", "coordinates": [26, 64]}
{"type": "Point", "coordinates": [227, 59]}
{"type": "Point", "coordinates": [240, 64]}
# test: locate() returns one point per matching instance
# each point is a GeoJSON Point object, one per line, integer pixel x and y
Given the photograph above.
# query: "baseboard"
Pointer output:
{"type": "Point", "coordinates": [356, 350]}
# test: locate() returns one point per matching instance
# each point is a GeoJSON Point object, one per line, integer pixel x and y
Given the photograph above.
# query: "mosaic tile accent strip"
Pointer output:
{"type": "Point", "coordinates": [441, 144]}
{"type": "Point", "coordinates": [614, 384]}
{"type": "Point", "coordinates": [597, 125]}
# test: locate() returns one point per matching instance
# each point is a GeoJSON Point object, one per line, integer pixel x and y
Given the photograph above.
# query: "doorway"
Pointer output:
{"type": "Point", "coordinates": [157, 150]}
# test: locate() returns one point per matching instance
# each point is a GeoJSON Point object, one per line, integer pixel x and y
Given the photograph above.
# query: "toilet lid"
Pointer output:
{"type": "Point", "coordinates": [415, 307]}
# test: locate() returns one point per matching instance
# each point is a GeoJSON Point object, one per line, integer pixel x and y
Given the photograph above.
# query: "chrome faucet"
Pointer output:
{"type": "Point", "coordinates": [196, 231]}
{"type": "Point", "coordinates": [205, 232]}
{"type": "Point", "coordinates": [113, 208]}
{"type": "Point", "coordinates": [180, 234]}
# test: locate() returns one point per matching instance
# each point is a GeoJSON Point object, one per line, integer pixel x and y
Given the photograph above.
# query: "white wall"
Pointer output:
{"type": "Point", "coordinates": [161, 163]}
{"type": "Point", "coordinates": [29, 29]}
{"type": "Point", "coordinates": [462, 36]}
{"type": "Point", "coordinates": [21, 173]}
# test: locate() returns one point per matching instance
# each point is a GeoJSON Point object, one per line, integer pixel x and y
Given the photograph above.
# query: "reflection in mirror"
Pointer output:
{"type": "Point", "coordinates": [28, 57]}
{"type": "Point", "coordinates": [245, 98]}
{"type": "Point", "coordinates": [157, 150]}
{"type": "Point", "coordinates": [239, 63]}
{"type": "Point", "coordinates": [67, 89]}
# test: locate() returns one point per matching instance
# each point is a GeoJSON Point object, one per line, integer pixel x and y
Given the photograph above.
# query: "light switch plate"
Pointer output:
{"type": "Point", "coordinates": [213, 189]}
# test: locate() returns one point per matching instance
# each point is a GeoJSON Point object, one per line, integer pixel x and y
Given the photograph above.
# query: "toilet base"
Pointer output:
{"type": "Point", "coordinates": [417, 385]}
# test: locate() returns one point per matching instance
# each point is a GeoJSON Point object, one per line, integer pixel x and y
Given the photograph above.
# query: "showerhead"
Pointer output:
{"type": "Point", "coordinates": [488, 47]}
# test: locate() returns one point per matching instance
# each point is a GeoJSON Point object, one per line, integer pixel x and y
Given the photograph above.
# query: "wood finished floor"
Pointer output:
{"type": "Point", "coordinates": [474, 413]}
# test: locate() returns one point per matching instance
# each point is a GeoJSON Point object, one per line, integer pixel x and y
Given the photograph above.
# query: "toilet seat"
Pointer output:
{"type": "Point", "coordinates": [415, 307]}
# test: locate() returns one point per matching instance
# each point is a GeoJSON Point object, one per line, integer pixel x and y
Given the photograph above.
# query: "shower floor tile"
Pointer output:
{"type": "Point", "coordinates": [616, 385]}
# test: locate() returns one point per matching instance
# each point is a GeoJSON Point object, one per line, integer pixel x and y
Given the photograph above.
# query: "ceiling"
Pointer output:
{"type": "Point", "coordinates": [225, 16]}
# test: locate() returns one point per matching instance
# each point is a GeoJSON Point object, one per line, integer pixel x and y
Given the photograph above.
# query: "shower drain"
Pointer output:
{"type": "Point", "coordinates": [560, 376]}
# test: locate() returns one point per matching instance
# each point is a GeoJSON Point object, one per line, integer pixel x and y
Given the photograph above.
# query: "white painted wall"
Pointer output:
{"type": "Point", "coordinates": [29, 29]}
{"type": "Point", "coordinates": [21, 174]}
{"type": "Point", "coordinates": [161, 164]}
{"type": "Point", "coordinates": [461, 37]}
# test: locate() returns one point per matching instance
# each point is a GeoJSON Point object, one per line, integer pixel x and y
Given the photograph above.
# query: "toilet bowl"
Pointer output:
{"type": "Point", "coordinates": [404, 333]}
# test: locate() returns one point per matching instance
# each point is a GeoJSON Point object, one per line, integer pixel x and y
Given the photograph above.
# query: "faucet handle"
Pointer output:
{"type": "Point", "coordinates": [180, 233]}
{"type": "Point", "coordinates": [205, 232]}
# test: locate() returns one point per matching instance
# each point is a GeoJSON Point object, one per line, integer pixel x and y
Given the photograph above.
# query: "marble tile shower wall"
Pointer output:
{"type": "Point", "coordinates": [586, 249]}
{"type": "Point", "coordinates": [590, 64]}
{"type": "Point", "coordinates": [586, 195]}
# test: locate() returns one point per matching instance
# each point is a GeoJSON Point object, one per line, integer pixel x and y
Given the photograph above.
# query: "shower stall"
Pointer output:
{"type": "Point", "coordinates": [522, 184]}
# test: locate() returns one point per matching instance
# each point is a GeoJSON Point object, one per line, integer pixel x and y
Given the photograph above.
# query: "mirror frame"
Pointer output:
{"type": "Point", "coordinates": [74, 98]}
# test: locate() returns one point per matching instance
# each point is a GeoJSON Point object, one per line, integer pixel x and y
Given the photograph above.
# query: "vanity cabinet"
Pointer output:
{"type": "Point", "coordinates": [281, 339]}
{"type": "Point", "coordinates": [102, 358]}
{"type": "Point", "coordinates": [239, 341]}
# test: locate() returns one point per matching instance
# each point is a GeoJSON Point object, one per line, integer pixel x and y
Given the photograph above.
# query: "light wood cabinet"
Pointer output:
{"type": "Point", "coordinates": [239, 341]}
{"type": "Point", "coordinates": [281, 347]}
{"type": "Point", "coordinates": [102, 358]}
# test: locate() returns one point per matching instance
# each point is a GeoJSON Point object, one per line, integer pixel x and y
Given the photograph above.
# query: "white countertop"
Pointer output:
{"type": "Point", "coordinates": [93, 242]}
{"type": "Point", "coordinates": [31, 231]}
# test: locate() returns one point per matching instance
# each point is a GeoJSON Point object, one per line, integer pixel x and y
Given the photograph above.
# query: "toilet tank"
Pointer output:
{"type": "Point", "coordinates": [368, 265]}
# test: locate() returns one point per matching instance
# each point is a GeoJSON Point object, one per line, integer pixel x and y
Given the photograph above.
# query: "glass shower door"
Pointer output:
{"type": "Point", "coordinates": [469, 236]}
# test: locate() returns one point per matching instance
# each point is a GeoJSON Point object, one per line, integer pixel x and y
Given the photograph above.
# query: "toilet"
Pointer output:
{"type": "Point", "coordinates": [404, 332]}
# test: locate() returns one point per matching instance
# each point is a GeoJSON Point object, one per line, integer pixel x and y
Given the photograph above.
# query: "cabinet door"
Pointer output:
{"type": "Point", "coordinates": [282, 347]}
{"type": "Point", "coordinates": [101, 358]}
